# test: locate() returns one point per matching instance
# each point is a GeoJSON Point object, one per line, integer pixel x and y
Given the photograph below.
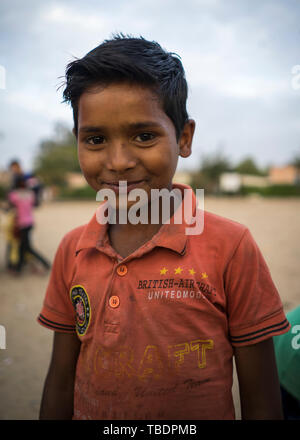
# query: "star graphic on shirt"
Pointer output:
{"type": "Point", "coordinates": [204, 275]}
{"type": "Point", "coordinates": [178, 270]}
{"type": "Point", "coordinates": [163, 271]}
{"type": "Point", "coordinates": [192, 272]}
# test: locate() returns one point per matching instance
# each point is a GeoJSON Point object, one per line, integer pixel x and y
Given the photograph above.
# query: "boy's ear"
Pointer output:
{"type": "Point", "coordinates": [186, 138]}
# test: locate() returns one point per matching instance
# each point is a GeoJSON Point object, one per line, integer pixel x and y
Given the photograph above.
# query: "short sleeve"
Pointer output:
{"type": "Point", "coordinates": [57, 312]}
{"type": "Point", "coordinates": [254, 308]}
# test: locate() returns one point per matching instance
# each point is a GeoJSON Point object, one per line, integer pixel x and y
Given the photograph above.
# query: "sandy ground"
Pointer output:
{"type": "Point", "coordinates": [275, 224]}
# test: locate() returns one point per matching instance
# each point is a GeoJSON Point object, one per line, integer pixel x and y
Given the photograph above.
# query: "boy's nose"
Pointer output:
{"type": "Point", "coordinates": [119, 158]}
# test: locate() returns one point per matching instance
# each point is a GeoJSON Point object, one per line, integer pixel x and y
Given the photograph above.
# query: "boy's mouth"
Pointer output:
{"type": "Point", "coordinates": [123, 186]}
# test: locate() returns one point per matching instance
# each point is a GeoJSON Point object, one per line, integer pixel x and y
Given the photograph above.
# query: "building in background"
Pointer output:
{"type": "Point", "coordinates": [233, 182]}
{"type": "Point", "coordinates": [230, 182]}
{"type": "Point", "coordinates": [258, 181]}
{"type": "Point", "coordinates": [76, 180]}
{"type": "Point", "coordinates": [288, 174]}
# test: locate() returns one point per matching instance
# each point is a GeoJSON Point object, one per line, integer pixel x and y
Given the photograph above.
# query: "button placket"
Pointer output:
{"type": "Point", "coordinates": [114, 300]}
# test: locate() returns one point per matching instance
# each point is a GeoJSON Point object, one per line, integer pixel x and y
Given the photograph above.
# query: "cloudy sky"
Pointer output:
{"type": "Point", "coordinates": [242, 62]}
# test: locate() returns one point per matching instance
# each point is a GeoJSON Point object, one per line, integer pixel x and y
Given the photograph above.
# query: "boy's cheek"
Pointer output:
{"type": "Point", "coordinates": [165, 159]}
{"type": "Point", "coordinates": [87, 161]}
{"type": "Point", "coordinates": [90, 169]}
{"type": "Point", "coordinates": [165, 166]}
{"type": "Point", "coordinates": [90, 180]}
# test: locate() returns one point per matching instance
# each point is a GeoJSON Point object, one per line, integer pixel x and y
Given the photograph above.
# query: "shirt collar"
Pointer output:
{"type": "Point", "coordinates": [171, 236]}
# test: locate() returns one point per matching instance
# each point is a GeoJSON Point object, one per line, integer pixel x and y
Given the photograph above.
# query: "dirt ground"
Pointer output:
{"type": "Point", "coordinates": [275, 224]}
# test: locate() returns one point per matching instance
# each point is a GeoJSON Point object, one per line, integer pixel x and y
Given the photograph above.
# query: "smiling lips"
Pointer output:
{"type": "Point", "coordinates": [123, 185]}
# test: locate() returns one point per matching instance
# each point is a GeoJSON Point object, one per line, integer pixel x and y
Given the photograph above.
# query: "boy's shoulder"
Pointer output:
{"type": "Point", "coordinates": [217, 224]}
{"type": "Point", "coordinates": [221, 234]}
{"type": "Point", "coordinates": [72, 238]}
{"type": "Point", "coordinates": [82, 236]}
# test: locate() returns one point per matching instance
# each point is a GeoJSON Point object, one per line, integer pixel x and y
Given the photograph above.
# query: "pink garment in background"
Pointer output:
{"type": "Point", "coordinates": [23, 199]}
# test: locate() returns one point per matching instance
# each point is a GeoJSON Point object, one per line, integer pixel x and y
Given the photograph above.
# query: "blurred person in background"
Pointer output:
{"type": "Point", "coordinates": [32, 181]}
{"type": "Point", "coordinates": [287, 351]}
{"type": "Point", "coordinates": [11, 227]}
{"type": "Point", "coordinates": [22, 199]}
{"type": "Point", "coordinates": [16, 171]}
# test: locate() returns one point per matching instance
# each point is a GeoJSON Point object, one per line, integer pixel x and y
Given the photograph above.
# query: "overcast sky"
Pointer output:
{"type": "Point", "coordinates": [238, 56]}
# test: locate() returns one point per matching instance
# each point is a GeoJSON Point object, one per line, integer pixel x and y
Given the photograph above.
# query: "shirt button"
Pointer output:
{"type": "Point", "coordinates": [122, 270]}
{"type": "Point", "coordinates": [114, 301]}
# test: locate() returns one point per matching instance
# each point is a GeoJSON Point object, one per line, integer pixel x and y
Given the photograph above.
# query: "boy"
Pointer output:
{"type": "Point", "coordinates": [147, 318]}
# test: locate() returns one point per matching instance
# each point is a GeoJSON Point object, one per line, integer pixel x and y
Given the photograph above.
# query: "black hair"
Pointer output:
{"type": "Point", "coordinates": [131, 60]}
{"type": "Point", "coordinates": [14, 162]}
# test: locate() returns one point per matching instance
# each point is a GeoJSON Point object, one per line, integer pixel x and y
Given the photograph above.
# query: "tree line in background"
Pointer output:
{"type": "Point", "coordinates": [56, 157]}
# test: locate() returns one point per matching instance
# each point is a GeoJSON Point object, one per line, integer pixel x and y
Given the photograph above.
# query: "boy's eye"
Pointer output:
{"type": "Point", "coordinates": [144, 137]}
{"type": "Point", "coordinates": [95, 140]}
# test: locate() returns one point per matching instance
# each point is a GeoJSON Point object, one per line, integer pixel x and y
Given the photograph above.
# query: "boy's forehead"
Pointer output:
{"type": "Point", "coordinates": [122, 101]}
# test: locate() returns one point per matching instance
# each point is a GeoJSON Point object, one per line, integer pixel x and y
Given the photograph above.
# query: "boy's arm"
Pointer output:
{"type": "Point", "coordinates": [258, 381]}
{"type": "Point", "coordinates": [57, 400]}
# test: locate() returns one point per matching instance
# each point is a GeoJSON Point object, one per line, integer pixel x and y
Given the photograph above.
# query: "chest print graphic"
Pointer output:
{"type": "Point", "coordinates": [167, 287]}
{"type": "Point", "coordinates": [81, 304]}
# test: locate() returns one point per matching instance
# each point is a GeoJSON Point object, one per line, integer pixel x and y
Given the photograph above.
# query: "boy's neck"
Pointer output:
{"type": "Point", "coordinates": [125, 239]}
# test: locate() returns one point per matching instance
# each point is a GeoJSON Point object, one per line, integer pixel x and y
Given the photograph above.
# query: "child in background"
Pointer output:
{"type": "Point", "coordinates": [23, 199]}
{"type": "Point", "coordinates": [147, 319]}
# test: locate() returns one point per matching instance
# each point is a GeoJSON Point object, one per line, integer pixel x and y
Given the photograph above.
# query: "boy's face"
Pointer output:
{"type": "Point", "coordinates": [15, 168]}
{"type": "Point", "coordinates": [124, 134]}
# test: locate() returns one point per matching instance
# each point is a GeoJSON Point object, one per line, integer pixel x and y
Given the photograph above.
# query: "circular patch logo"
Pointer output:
{"type": "Point", "coordinates": [81, 303]}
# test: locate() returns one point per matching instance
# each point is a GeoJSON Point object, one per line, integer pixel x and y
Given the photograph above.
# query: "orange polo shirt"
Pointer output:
{"type": "Point", "coordinates": [158, 327]}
